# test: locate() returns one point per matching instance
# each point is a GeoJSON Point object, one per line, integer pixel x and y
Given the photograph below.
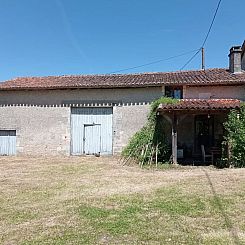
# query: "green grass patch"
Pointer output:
{"type": "Point", "coordinates": [139, 216]}
{"type": "Point", "coordinates": [66, 237]}
{"type": "Point", "coordinates": [19, 216]}
{"type": "Point", "coordinates": [163, 207]}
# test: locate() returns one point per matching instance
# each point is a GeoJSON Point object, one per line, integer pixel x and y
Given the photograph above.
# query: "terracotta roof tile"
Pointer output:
{"type": "Point", "coordinates": [198, 77]}
{"type": "Point", "coordinates": [202, 104]}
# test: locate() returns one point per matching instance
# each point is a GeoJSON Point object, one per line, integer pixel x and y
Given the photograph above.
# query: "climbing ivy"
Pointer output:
{"type": "Point", "coordinates": [235, 138]}
{"type": "Point", "coordinates": [150, 140]}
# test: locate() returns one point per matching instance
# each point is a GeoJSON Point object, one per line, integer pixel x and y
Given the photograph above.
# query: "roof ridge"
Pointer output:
{"type": "Point", "coordinates": [116, 74]}
{"type": "Point", "coordinates": [212, 76]}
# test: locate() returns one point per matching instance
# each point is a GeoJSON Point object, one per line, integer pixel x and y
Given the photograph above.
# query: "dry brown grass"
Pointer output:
{"type": "Point", "coordinates": [92, 200]}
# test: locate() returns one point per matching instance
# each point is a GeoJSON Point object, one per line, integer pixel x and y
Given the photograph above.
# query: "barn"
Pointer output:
{"type": "Point", "coordinates": [73, 115]}
{"type": "Point", "coordinates": [96, 114]}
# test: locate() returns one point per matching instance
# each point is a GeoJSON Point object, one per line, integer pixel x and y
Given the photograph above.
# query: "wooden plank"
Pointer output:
{"type": "Point", "coordinates": [174, 138]}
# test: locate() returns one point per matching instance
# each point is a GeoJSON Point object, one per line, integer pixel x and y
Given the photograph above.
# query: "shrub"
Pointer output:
{"type": "Point", "coordinates": [150, 140]}
{"type": "Point", "coordinates": [235, 138]}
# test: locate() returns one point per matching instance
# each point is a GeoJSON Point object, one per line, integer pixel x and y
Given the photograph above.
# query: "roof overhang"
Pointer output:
{"type": "Point", "coordinates": [188, 105]}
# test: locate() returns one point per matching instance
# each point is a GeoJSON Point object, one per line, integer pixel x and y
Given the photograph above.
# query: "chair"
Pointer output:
{"type": "Point", "coordinates": [206, 156]}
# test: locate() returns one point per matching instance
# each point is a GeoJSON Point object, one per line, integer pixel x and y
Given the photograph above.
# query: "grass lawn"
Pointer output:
{"type": "Point", "coordinates": [98, 201]}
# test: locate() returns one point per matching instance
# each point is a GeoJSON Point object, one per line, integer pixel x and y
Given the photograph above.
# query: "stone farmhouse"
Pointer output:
{"type": "Point", "coordinates": [97, 114]}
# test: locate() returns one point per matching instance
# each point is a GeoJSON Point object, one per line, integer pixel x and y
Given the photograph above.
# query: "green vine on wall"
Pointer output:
{"type": "Point", "coordinates": [149, 143]}
{"type": "Point", "coordinates": [235, 138]}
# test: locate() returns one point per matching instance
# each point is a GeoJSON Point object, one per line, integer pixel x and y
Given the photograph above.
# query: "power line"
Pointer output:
{"type": "Point", "coordinates": [198, 51]}
{"type": "Point", "coordinates": [209, 30]}
{"type": "Point", "coordinates": [206, 38]}
{"type": "Point", "coordinates": [173, 57]}
{"type": "Point", "coordinates": [154, 62]}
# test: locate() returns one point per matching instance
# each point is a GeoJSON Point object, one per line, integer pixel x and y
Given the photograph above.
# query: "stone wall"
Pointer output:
{"type": "Point", "coordinates": [123, 96]}
{"type": "Point", "coordinates": [215, 92]}
{"type": "Point", "coordinates": [39, 130]}
{"type": "Point", "coordinates": [127, 120]}
{"type": "Point", "coordinates": [243, 61]}
{"type": "Point", "coordinates": [42, 118]}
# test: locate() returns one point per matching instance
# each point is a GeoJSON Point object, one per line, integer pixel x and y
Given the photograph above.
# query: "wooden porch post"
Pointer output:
{"type": "Point", "coordinates": [174, 138]}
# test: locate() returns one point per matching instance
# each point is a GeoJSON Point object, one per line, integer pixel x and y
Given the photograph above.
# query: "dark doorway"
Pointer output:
{"type": "Point", "coordinates": [204, 132]}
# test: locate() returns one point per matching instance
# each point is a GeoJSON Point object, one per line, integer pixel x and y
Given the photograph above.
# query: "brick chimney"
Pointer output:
{"type": "Point", "coordinates": [235, 59]}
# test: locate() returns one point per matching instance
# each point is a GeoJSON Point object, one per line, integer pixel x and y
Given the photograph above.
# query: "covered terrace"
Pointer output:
{"type": "Point", "coordinates": [194, 127]}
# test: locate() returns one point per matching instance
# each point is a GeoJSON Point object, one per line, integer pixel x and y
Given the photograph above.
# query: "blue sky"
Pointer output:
{"type": "Point", "coordinates": [56, 37]}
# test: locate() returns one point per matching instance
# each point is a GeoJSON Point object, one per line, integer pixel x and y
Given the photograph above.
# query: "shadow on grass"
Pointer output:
{"type": "Point", "coordinates": [219, 204]}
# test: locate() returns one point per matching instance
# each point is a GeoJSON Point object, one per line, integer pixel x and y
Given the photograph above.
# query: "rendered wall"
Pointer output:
{"type": "Point", "coordinates": [42, 118]}
{"type": "Point", "coordinates": [216, 92]}
{"type": "Point", "coordinates": [39, 130]}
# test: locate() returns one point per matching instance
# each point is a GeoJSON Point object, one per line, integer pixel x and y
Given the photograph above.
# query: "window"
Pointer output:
{"type": "Point", "coordinates": [174, 92]}
{"type": "Point", "coordinates": [7, 142]}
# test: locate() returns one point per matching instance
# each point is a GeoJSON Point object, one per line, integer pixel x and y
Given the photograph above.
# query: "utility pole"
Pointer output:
{"type": "Point", "coordinates": [203, 58]}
